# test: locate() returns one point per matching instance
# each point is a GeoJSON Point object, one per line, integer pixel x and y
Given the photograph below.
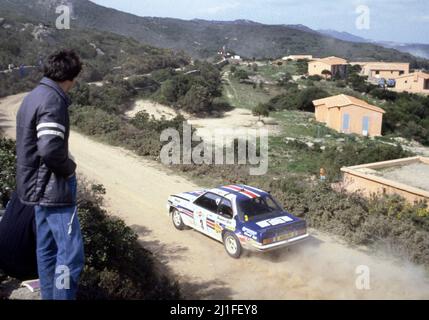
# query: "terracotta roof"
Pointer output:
{"type": "Point", "coordinates": [332, 60]}
{"type": "Point", "coordinates": [418, 74]}
{"type": "Point", "coordinates": [343, 100]}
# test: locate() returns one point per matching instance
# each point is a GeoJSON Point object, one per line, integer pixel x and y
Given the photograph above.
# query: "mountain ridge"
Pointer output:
{"type": "Point", "coordinates": [203, 39]}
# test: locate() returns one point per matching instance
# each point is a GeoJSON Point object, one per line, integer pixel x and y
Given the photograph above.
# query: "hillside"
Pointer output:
{"type": "Point", "coordinates": [204, 38]}
{"type": "Point", "coordinates": [25, 41]}
{"type": "Point", "coordinates": [416, 49]}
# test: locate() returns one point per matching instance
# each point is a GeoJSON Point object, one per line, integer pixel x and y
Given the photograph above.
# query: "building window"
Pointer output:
{"type": "Point", "coordinates": [346, 122]}
{"type": "Point", "coordinates": [426, 84]}
{"type": "Point", "coordinates": [377, 72]}
{"type": "Point", "coordinates": [401, 73]}
{"type": "Point", "coordinates": [365, 126]}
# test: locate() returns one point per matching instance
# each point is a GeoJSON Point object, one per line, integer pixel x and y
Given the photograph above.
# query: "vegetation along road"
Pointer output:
{"type": "Point", "coordinates": [322, 268]}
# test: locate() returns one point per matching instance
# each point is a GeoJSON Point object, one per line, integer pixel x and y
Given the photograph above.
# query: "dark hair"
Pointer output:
{"type": "Point", "coordinates": [63, 65]}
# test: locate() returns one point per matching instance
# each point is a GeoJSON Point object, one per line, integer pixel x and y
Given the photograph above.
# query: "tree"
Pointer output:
{"type": "Point", "coordinates": [327, 74]}
{"type": "Point", "coordinates": [241, 74]}
{"type": "Point", "coordinates": [284, 80]}
{"type": "Point", "coordinates": [302, 66]}
{"type": "Point", "coordinates": [261, 110]}
{"type": "Point", "coordinates": [197, 99]}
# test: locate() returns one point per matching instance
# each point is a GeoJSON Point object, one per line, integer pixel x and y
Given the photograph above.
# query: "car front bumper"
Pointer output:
{"type": "Point", "coordinates": [277, 245]}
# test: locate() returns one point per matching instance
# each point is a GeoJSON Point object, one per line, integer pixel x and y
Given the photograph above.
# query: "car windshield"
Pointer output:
{"type": "Point", "coordinates": [257, 207]}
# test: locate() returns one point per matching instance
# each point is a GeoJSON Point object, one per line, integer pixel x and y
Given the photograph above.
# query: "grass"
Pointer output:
{"type": "Point", "coordinates": [275, 72]}
{"type": "Point", "coordinates": [240, 95]}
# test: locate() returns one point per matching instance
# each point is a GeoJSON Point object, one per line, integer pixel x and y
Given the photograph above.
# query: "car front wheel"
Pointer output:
{"type": "Point", "coordinates": [177, 220]}
{"type": "Point", "coordinates": [232, 245]}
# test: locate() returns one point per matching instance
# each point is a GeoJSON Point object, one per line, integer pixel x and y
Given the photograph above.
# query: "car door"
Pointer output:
{"type": "Point", "coordinates": [205, 211]}
{"type": "Point", "coordinates": [224, 219]}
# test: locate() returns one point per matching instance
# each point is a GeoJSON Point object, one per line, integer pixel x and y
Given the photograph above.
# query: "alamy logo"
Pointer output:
{"type": "Point", "coordinates": [63, 21]}
{"type": "Point", "coordinates": [223, 147]}
{"type": "Point", "coordinates": [363, 279]}
{"type": "Point", "coordinates": [62, 281]}
{"type": "Point", "coordinates": [363, 21]}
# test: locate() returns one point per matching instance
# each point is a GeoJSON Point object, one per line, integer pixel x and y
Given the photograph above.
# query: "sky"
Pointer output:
{"type": "Point", "coordinates": [382, 20]}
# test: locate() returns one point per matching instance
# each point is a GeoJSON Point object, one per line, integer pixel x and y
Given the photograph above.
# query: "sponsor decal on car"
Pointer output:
{"type": "Point", "coordinates": [274, 221]}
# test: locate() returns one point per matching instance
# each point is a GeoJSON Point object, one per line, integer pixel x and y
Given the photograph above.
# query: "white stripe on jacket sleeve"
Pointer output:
{"type": "Point", "coordinates": [50, 132]}
{"type": "Point", "coordinates": [51, 125]}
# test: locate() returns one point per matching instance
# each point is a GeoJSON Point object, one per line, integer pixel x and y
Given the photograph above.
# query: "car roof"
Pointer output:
{"type": "Point", "coordinates": [238, 192]}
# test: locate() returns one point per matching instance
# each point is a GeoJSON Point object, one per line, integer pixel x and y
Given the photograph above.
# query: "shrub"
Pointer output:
{"type": "Point", "coordinates": [7, 169]}
{"type": "Point", "coordinates": [296, 99]}
{"type": "Point", "coordinates": [261, 110]}
{"type": "Point", "coordinates": [241, 74]}
{"type": "Point", "coordinates": [315, 77]}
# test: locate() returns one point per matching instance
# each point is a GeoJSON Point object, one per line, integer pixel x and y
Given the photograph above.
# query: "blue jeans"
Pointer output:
{"type": "Point", "coordinates": [60, 255]}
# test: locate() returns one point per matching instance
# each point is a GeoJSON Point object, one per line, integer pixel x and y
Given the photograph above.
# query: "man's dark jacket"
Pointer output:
{"type": "Point", "coordinates": [42, 134]}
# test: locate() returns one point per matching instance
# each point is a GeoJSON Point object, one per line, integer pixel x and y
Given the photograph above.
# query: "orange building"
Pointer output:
{"type": "Point", "coordinates": [348, 114]}
{"type": "Point", "coordinates": [417, 82]}
{"type": "Point", "coordinates": [336, 66]}
{"type": "Point", "coordinates": [386, 70]}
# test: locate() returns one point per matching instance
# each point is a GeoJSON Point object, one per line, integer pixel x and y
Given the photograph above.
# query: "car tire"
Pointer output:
{"type": "Point", "coordinates": [232, 245]}
{"type": "Point", "coordinates": [177, 220]}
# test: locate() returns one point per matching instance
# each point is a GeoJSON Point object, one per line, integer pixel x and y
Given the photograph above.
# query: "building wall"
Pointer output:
{"type": "Point", "coordinates": [386, 74]}
{"type": "Point", "coordinates": [408, 84]}
{"type": "Point", "coordinates": [371, 69]}
{"type": "Point", "coordinates": [316, 68]}
{"type": "Point", "coordinates": [334, 117]}
{"type": "Point", "coordinates": [367, 187]}
{"type": "Point", "coordinates": [321, 113]}
{"type": "Point", "coordinates": [356, 120]}
{"type": "Point", "coordinates": [339, 70]}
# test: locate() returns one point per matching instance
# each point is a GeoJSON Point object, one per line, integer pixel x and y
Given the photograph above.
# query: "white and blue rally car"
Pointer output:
{"type": "Point", "coordinates": [240, 216]}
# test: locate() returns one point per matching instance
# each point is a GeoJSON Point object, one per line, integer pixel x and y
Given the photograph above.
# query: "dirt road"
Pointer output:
{"type": "Point", "coordinates": [322, 268]}
{"type": "Point", "coordinates": [208, 128]}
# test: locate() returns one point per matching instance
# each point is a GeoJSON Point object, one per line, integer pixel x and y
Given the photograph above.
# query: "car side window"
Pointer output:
{"type": "Point", "coordinates": [209, 201]}
{"type": "Point", "coordinates": [225, 209]}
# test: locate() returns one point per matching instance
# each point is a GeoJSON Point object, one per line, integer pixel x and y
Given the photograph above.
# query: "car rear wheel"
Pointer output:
{"type": "Point", "coordinates": [232, 245]}
{"type": "Point", "coordinates": [177, 220]}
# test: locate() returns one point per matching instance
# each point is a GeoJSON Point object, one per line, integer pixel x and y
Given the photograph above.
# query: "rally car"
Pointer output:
{"type": "Point", "coordinates": [239, 216]}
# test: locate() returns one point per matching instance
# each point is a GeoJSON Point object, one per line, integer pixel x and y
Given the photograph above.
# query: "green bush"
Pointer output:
{"type": "Point", "coordinates": [7, 169]}
{"type": "Point", "coordinates": [241, 74]}
{"type": "Point", "coordinates": [387, 223]}
{"type": "Point", "coordinates": [295, 99]}
{"type": "Point", "coordinates": [408, 116]}
{"type": "Point", "coordinates": [192, 92]}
